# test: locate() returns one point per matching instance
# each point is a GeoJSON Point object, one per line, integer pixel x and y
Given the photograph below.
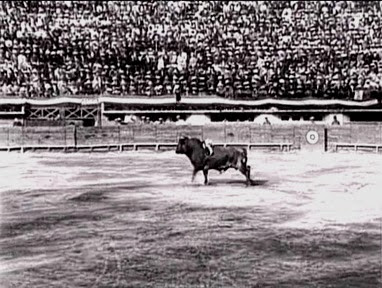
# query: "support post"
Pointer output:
{"type": "Point", "coordinates": [75, 135]}
{"type": "Point", "coordinates": [62, 114]}
{"type": "Point", "coordinates": [326, 139]}
{"type": "Point", "coordinates": [225, 133]}
{"type": "Point", "coordinates": [22, 135]}
{"type": "Point", "coordinates": [65, 143]}
{"type": "Point", "coordinates": [100, 110]}
{"type": "Point", "coordinates": [119, 134]}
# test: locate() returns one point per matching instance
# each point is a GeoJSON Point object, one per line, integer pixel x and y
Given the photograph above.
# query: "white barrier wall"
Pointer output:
{"type": "Point", "coordinates": [198, 119]}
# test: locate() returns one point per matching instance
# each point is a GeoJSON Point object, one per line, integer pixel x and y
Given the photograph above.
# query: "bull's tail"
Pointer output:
{"type": "Point", "coordinates": [244, 156]}
{"type": "Point", "coordinates": [244, 152]}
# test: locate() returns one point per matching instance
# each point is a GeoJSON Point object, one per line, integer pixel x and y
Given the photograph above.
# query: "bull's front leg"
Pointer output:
{"type": "Point", "coordinates": [246, 171]}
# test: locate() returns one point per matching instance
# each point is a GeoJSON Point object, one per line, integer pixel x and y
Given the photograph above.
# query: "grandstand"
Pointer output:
{"type": "Point", "coordinates": [88, 59]}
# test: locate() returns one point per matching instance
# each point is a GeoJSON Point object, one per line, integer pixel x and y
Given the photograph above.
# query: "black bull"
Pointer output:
{"type": "Point", "coordinates": [221, 159]}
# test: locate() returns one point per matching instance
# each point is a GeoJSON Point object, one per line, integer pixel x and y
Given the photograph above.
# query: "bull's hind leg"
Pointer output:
{"type": "Point", "coordinates": [194, 174]}
{"type": "Point", "coordinates": [248, 176]}
{"type": "Point", "coordinates": [205, 172]}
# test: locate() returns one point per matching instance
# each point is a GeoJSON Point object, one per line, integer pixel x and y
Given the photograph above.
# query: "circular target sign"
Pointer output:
{"type": "Point", "coordinates": [312, 137]}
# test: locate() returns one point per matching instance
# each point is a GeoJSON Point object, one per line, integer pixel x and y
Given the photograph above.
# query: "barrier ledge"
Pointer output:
{"type": "Point", "coordinates": [287, 146]}
{"type": "Point", "coordinates": [33, 147]}
{"type": "Point", "coordinates": [135, 146]}
{"type": "Point", "coordinates": [357, 145]}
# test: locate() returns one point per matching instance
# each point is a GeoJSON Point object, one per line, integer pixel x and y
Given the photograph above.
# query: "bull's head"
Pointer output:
{"type": "Point", "coordinates": [181, 148]}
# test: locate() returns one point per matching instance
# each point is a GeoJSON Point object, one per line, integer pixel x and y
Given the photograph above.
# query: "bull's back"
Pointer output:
{"type": "Point", "coordinates": [232, 154]}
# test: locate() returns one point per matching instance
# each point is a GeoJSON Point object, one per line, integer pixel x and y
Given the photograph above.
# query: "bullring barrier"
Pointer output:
{"type": "Point", "coordinates": [161, 137]}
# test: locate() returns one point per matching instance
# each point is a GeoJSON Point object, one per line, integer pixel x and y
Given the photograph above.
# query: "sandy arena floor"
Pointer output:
{"type": "Point", "coordinates": [134, 219]}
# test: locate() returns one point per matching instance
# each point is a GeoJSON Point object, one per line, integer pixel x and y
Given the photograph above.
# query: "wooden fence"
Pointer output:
{"type": "Point", "coordinates": [170, 133]}
{"type": "Point", "coordinates": [70, 135]}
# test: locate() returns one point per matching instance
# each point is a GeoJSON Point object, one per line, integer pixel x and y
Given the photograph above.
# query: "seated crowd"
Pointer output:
{"type": "Point", "coordinates": [238, 50]}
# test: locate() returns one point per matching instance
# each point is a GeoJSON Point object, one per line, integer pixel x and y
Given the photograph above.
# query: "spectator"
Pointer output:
{"type": "Point", "coordinates": [231, 49]}
{"type": "Point", "coordinates": [17, 122]}
{"type": "Point", "coordinates": [266, 121]}
{"type": "Point", "coordinates": [180, 121]}
{"type": "Point", "coordinates": [335, 121]}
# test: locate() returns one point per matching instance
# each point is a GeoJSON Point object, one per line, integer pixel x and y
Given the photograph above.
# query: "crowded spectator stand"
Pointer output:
{"type": "Point", "coordinates": [236, 50]}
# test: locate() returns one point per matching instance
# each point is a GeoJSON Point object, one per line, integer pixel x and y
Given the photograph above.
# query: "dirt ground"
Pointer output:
{"type": "Point", "coordinates": [134, 219]}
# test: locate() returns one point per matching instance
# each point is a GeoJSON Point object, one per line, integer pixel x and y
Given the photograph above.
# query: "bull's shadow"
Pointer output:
{"type": "Point", "coordinates": [219, 182]}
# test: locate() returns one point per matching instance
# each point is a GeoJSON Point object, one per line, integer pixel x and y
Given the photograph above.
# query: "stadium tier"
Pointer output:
{"type": "Point", "coordinates": [236, 50]}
